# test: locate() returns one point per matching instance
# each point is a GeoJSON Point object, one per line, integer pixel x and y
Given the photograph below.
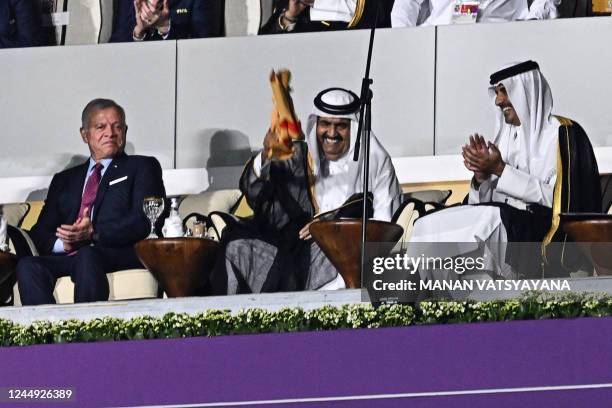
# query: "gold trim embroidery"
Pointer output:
{"type": "Point", "coordinates": [564, 121]}
{"type": "Point", "coordinates": [311, 183]}
{"type": "Point", "coordinates": [557, 196]}
{"type": "Point", "coordinates": [358, 14]}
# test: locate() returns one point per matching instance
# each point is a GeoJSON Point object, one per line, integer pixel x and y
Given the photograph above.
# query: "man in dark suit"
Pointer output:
{"type": "Point", "coordinates": [150, 20]}
{"type": "Point", "coordinates": [20, 24]}
{"type": "Point", "coordinates": [93, 213]}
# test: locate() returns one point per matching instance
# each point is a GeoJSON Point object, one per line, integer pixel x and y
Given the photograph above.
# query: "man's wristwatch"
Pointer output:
{"type": "Point", "coordinates": [164, 31]}
{"type": "Point", "coordinates": [291, 22]}
{"type": "Point", "coordinates": [136, 38]}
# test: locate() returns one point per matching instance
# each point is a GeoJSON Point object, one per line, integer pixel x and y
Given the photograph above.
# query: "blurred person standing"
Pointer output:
{"type": "Point", "coordinates": [20, 24]}
{"type": "Point", "coordinates": [152, 20]}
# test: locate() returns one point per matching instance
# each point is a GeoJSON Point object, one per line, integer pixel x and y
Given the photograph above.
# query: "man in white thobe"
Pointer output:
{"type": "Point", "coordinates": [514, 176]}
{"type": "Point", "coordinates": [275, 251]}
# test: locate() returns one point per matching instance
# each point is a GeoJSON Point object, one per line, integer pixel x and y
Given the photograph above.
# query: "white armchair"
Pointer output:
{"type": "Point", "coordinates": [123, 285]}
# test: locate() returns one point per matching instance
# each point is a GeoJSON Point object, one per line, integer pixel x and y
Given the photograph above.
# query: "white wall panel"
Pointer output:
{"type": "Point", "coordinates": [44, 90]}
{"type": "Point", "coordinates": [224, 99]}
{"type": "Point", "coordinates": [575, 56]}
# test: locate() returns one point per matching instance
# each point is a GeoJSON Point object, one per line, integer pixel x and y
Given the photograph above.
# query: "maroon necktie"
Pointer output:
{"type": "Point", "coordinates": [91, 189]}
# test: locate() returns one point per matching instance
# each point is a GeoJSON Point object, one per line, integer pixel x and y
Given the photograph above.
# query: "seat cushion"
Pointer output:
{"type": "Point", "coordinates": [32, 216]}
{"type": "Point", "coordinates": [218, 224]}
{"type": "Point", "coordinates": [131, 284]}
{"type": "Point", "coordinates": [15, 213]}
{"type": "Point", "coordinates": [242, 208]}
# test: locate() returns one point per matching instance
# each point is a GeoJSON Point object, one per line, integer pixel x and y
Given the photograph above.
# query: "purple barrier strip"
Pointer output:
{"type": "Point", "coordinates": [559, 399]}
{"type": "Point", "coordinates": [332, 364]}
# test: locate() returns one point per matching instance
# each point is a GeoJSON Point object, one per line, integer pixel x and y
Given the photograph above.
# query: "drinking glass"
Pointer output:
{"type": "Point", "coordinates": [199, 229]}
{"type": "Point", "coordinates": [153, 207]}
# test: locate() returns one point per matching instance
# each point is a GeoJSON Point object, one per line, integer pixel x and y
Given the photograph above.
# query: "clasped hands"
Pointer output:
{"type": "Point", "coordinates": [76, 235]}
{"type": "Point", "coordinates": [151, 13]}
{"type": "Point", "coordinates": [482, 158]}
{"type": "Point", "coordinates": [297, 7]}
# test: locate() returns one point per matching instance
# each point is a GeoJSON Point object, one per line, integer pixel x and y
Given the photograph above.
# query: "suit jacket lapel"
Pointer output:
{"type": "Point", "coordinates": [109, 174]}
{"type": "Point", "coordinates": [76, 191]}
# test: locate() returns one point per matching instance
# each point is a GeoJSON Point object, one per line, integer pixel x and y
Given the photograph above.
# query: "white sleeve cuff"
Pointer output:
{"type": "Point", "coordinates": [139, 39]}
{"type": "Point", "coordinates": [257, 164]}
{"type": "Point", "coordinates": [58, 247]}
{"type": "Point", "coordinates": [482, 194]}
{"type": "Point", "coordinates": [513, 182]}
{"type": "Point", "coordinates": [474, 195]}
{"type": "Point", "coordinates": [165, 36]}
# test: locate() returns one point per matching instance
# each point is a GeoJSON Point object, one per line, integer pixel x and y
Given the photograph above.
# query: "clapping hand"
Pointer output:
{"type": "Point", "coordinates": [297, 7]}
{"type": "Point", "coordinates": [269, 141]}
{"type": "Point", "coordinates": [483, 158]}
{"type": "Point", "coordinates": [305, 231]}
{"type": "Point", "coordinates": [476, 148]}
{"type": "Point", "coordinates": [151, 13]}
{"type": "Point", "coordinates": [76, 235]}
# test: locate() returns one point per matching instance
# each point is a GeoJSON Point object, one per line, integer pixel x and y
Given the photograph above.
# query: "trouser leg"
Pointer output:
{"type": "Point", "coordinates": [91, 266]}
{"type": "Point", "coordinates": [322, 275]}
{"type": "Point", "coordinates": [90, 283]}
{"type": "Point", "coordinates": [36, 277]}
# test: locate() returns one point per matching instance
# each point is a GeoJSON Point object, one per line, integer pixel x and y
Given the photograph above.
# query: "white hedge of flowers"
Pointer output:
{"type": "Point", "coordinates": [221, 322]}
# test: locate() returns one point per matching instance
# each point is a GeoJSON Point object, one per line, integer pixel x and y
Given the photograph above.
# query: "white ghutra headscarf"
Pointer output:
{"type": "Point", "coordinates": [336, 181]}
{"type": "Point", "coordinates": [530, 94]}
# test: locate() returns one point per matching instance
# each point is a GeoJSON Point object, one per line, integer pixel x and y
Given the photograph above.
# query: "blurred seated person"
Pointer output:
{"type": "Point", "coordinates": [93, 214]}
{"type": "Point", "coordinates": [20, 24]}
{"type": "Point", "coordinates": [151, 20]}
{"type": "Point", "coordinates": [299, 16]}
{"type": "Point", "coordinates": [410, 13]}
{"type": "Point", "coordinates": [274, 251]}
